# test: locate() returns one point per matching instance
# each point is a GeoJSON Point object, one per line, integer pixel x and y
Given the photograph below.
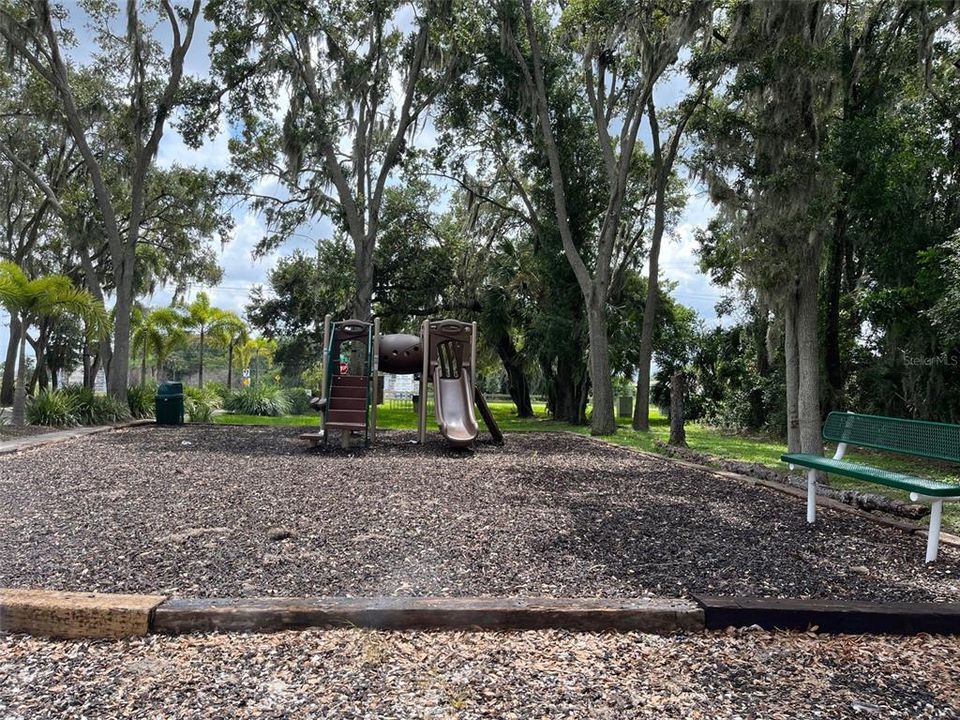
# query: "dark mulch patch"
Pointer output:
{"type": "Point", "coordinates": [192, 511]}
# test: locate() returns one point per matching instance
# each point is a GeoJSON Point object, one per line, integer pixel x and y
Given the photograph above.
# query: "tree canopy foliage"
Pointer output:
{"type": "Point", "coordinates": [517, 163]}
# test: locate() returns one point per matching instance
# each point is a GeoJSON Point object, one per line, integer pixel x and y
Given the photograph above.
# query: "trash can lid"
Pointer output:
{"type": "Point", "coordinates": [170, 388]}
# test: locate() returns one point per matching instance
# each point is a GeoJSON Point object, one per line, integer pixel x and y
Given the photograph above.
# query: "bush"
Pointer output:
{"type": "Point", "coordinates": [52, 408]}
{"type": "Point", "coordinates": [107, 410]}
{"type": "Point", "coordinates": [299, 400]}
{"type": "Point", "coordinates": [92, 409]}
{"type": "Point", "coordinates": [199, 404]}
{"type": "Point", "coordinates": [264, 400]}
{"type": "Point", "coordinates": [217, 388]}
{"type": "Point", "coordinates": [141, 400]}
{"type": "Point", "coordinates": [312, 377]}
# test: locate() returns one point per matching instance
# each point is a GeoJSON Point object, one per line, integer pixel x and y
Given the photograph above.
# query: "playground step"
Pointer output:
{"type": "Point", "coordinates": [353, 380]}
{"type": "Point", "coordinates": [348, 403]}
{"type": "Point", "coordinates": [348, 391]}
{"type": "Point", "coordinates": [347, 416]}
{"type": "Point", "coordinates": [345, 426]}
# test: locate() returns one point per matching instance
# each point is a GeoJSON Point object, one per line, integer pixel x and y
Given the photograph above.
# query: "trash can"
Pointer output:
{"type": "Point", "coordinates": [169, 404]}
{"type": "Point", "coordinates": [626, 406]}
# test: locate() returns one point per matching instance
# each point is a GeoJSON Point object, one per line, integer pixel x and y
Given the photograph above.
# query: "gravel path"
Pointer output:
{"type": "Point", "coordinates": [364, 674]}
{"type": "Point", "coordinates": [214, 511]}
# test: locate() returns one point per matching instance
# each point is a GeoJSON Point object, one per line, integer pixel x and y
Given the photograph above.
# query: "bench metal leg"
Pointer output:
{"type": "Point", "coordinates": [811, 496]}
{"type": "Point", "coordinates": [933, 535]}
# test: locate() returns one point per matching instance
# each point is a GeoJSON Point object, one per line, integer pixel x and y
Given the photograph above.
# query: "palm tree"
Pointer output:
{"type": "Point", "coordinates": [256, 348]}
{"type": "Point", "coordinates": [204, 318]}
{"type": "Point", "coordinates": [230, 331]}
{"type": "Point", "coordinates": [44, 298]}
{"type": "Point", "coordinates": [158, 331]}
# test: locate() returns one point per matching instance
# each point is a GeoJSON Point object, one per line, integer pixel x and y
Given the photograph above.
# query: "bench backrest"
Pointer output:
{"type": "Point", "coordinates": [938, 441]}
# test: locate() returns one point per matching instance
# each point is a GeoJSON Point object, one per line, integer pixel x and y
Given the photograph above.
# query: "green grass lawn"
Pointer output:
{"type": "Point", "coordinates": [701, 438]}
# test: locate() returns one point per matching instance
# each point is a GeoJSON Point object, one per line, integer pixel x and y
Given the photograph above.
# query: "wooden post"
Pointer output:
{"type": "Point", "coordinates": [473, 350]}
{"type": "Point", "coordinates": [422, 420]}
{"type": "Point", "coordinates": [375, 379]}
{"type": "Point", "coordinates": [324, 355]}
{"type": "Point", "coordinates": [678, 435]}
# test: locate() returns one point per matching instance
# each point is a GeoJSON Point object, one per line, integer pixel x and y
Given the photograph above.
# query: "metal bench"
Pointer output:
{"type": "Point", "coordinates": [917, 438]}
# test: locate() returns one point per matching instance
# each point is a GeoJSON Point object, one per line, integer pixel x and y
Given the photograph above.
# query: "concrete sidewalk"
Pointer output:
{"type": "Point", "coordinates": [15, 445]}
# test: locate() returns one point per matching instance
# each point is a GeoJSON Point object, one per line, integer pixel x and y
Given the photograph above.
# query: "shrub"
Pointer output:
{"type": "Point", "coordinates": [312, 377]}
{"type": "Point", "coordinates": [107, 410]}
{"type": "Point", "coordinates": [92, 409]}
{"type": "Point", "coordinates": [264, 400]}
{"type": "Point", "coordinates": [141, 400]}
{"type": "Point", "coordinates": [199, 404]}
{"type": "Point", "coordinates": [52, 408]}
{"type": "Point", "coordinates": [217, 388]}
{"type": "Point", "coordinates": [299, 401]}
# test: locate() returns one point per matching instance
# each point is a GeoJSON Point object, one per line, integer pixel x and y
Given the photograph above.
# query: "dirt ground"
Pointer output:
{"type": "Point", "coordinates": [366, 674]}
{"type": "Point", "coordinates": [227, 511]}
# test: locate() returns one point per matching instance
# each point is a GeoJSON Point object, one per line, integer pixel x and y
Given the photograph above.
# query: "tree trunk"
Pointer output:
{"type": "Point", "coordinates": [363, 271]}
{"type": "Point", "coordinates": [519, 390]}
{"type": "Point", "coordinates": [603, 420]}
{"type": "Point", "coordinates": [200, 376]}
{"type": "Point", "coordinates": [641, 410]}
{"type": "Point", "coordinates": [564, 389]}
{"type": "Point", "coordinates": [143, 365]}
{"type": "Point", "coordinates": [584, 395]}
{"type": "Point", "coordinates": [230, 366]}
{"type": "Point", "coordinates": [10, 362]}
{"type": "Point", "coordinates": [91, 381]}
{"type": "Point", "coordinates": [758, 410]}
{"type": "Point", "coordinates": [40, 377]}
{"type": "Point", "coordinates": [808, 362]}
{"type": "Point", "coordinates": [678, 435]}
{"type": "Point", "coordinates": [118, 368]}
{"type": "Point", "coordinates": [516, 377]}
{"type": "Point", "coordinates": [792, 372]}
{"type": "Point", "coordinates": [20, 392]}
{"type": "Point", "coordinates": [831, 338]}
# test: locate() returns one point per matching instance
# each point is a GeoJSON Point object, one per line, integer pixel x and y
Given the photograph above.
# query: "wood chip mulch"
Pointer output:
{"type": "Point", "coordinates": [544, 674]}
{"type": "Point", "coordinates": [227, 511]}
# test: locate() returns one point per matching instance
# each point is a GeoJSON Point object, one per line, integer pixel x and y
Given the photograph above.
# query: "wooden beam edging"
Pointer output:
{"type": "Point", "coordinates": [58, 614]}
{"type": "Point", "coordinates": [885, 520]}
{"type": "Point", "coordinates": [830, 616]}
{"type": "Point", "coordinates": [653, 615]}
{"type": "Point", "coordinates": [75, 615]}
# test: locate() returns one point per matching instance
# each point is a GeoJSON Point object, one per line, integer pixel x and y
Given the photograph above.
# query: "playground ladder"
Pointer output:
{"type": "Point", "coordinates": [348, 396]}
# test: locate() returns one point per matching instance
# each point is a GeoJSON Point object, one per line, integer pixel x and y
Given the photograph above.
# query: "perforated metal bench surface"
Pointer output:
{"type": "Point", "coordinates": [911, 483]}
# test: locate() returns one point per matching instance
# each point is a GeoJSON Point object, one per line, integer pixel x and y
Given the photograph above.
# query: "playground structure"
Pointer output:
{"type": "Point", "coordinates": [444, 355]}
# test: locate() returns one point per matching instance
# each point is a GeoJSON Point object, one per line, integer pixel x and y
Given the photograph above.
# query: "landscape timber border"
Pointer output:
{"type": "Point", "coordinates": [75, 615]}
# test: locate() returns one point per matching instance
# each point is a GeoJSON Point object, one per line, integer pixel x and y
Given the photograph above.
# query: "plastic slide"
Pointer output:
{"type": "Point", "coordinates": [454, 407]}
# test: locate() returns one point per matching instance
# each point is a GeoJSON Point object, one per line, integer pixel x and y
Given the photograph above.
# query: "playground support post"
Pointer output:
{"type": "Point", "coordinates": [326, 356]}
{"type": "Point", "coordinates": [473, 353]}
{"type": "Point", "coordinates": [375, 379]}
{"type": "Point", "coordinates": [425, 344]}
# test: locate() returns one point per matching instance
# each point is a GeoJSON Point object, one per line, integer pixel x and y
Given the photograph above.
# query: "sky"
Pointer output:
{"type": "Point", "coordinates": [242, 271]}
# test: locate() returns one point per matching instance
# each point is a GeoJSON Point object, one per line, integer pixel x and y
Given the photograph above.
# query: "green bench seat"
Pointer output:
{"type": "Point", "coordinates": [916, 438]}
{"type": "Point", "coordinates": [910, 483]}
